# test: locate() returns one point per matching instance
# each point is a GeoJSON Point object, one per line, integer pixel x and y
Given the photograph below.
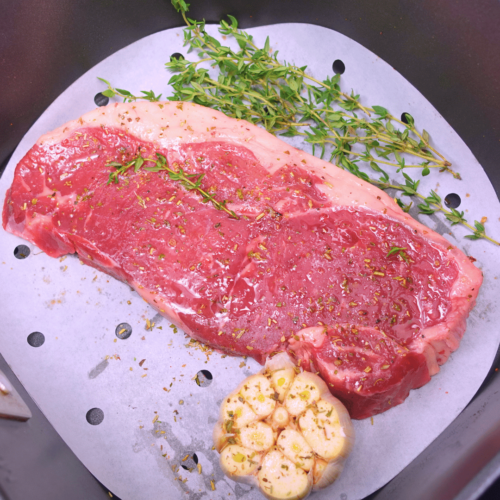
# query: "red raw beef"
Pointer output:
{"type": "Point", "coordinates": [304, 268]}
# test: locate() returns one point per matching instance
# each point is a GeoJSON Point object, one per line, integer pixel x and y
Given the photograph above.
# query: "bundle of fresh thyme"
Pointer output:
{"type": "Point", "coordinates": [254, 85]}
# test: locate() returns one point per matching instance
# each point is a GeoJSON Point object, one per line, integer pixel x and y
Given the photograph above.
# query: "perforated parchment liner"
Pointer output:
{"type": "Point", "coordinates": [78, 309]}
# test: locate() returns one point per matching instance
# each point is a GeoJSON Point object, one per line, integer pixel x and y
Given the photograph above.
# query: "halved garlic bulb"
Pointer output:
{"type": "Point", "coordinates": [282, 431]}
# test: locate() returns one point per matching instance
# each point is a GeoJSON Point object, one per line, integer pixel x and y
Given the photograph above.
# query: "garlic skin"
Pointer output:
{"type": "Point", "coordinates": [282, 431]}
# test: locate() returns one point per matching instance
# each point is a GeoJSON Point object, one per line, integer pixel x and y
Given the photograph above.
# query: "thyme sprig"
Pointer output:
{"type": "Point", "coordinates": [254, 85]}
{"type": "Point", "coordinates": [432, 204]}
{"type": "Point", "coordinates": [148, 95]}
{"type": "Point", "coordinates": [190, 182]}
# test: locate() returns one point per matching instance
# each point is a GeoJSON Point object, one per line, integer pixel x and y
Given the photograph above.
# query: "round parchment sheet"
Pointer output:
{"type": "Point", "coordinates": [153, 418]}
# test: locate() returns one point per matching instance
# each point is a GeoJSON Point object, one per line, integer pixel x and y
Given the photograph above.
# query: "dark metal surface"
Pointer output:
{"type": "Point", "coordinates": [448, 49]}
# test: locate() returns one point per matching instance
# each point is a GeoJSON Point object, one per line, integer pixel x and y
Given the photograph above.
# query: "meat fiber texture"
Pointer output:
{"type": "Point", "coordinates": [304, 269]}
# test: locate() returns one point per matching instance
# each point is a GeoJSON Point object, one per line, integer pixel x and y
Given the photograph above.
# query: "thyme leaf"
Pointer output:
{"type": "Point", "coordinates": [398, 250]}
{"type": "Point", "coordinates": [455, 217]}
{"type": "Point", "coordinates": [404, 208]}
{"type": "Point", "coordinates": [479, 233]}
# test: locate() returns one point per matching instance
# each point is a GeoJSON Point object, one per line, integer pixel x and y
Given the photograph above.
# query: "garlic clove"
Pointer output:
{"type": "Point", "coordinates": [305, 390]}
{"type": "Point", "coordinates": [257, 436]}
{"type": "Point", "coordinates": [235, 460]}
{"type": "Point", "coordinates": [293, 445]}
{"type": "Point", "coordinates": [235, 408]}
{"type": "Point", "coordinates": [280, 479]}
{"type": "Point", "coordinates": [281, 380]}
{"type": "Point", "coordinates": [258, 393]}
{"type": "Point", "coordinates": [280, 418]}
{"type": "Point", "coordinates": [322, 429]}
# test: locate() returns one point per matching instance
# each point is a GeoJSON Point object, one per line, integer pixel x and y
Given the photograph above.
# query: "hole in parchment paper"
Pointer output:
{"type": "Point", "coordinates": [338, 67]}
{"type": "Point", "coordinates": [204, 378]}
{"type": "Point", "coordinates": [452, 200]}
{"type": "Point", "coordinates": [95, 416]}
{"type": "Point", "coordinates": [36, 339]}
{"type": "Point", "coordinates": [21, 252]}
{"type": "Point", "coordinates": [176, 55]}
{"type": "Point", "coordinates": [191, 461]}
{"type": "Point", "coordinates": [101, 100]}
{"type": "Point", "coordinates": [404, 118]}
{"type": "Point", "coordinates": [123, 331]}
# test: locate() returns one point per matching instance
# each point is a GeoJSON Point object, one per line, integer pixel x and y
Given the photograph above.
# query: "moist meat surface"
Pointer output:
{"type": "Point", "coordinates": [300, 270]}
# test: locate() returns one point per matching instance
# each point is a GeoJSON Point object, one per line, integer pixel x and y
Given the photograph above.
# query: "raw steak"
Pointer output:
{"type": "Point", "coordinates": [304, 268]}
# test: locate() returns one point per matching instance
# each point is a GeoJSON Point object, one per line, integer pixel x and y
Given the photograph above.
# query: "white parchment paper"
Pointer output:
{"type": "Point", "coordinates": [82, 365]}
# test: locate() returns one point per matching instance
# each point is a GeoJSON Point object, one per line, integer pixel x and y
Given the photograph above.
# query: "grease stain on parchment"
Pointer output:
{"type": "Point", "coordinates": [98, 369]}
{"type": "Point", "coordinates": [162, 441]}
